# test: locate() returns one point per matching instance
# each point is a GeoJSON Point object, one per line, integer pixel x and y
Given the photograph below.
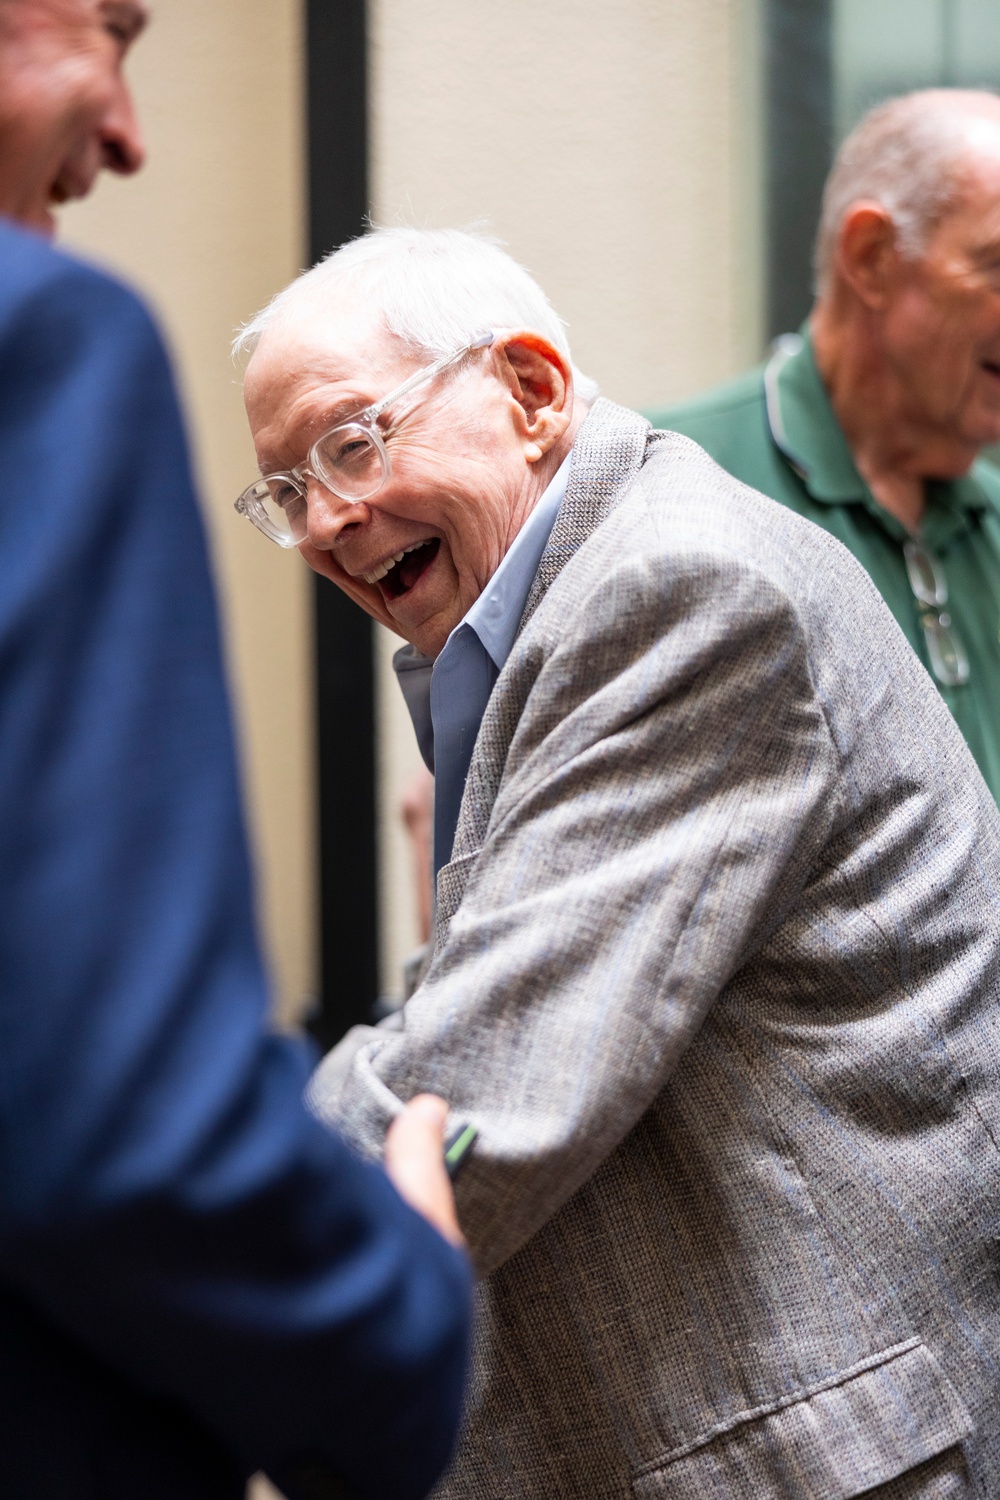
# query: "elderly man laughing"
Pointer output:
{"type": "Point", "coordinates": [716, 965]}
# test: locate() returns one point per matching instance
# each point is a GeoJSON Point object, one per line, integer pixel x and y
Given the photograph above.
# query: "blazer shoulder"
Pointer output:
{"type": "Point", "coordinates": [682, 519]}
{"type": "Point", "coordinates": [685, 516]}
{"type": "Point", "coordinates": [682, 522]}
{"type": "Point", "coordinates": [684, 478]}
{"type": "Point", "coordinates": [41, 285]}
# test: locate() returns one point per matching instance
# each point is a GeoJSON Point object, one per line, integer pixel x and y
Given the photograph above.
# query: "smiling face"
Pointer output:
{"type": "Point", "coordinates": [65, 109]}
{"type": "Point", "coordinates": [464, 451]}
{"type": "Point", "coordinates": [940, 326]}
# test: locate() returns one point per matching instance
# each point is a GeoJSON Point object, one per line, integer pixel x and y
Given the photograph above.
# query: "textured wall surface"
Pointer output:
{"type": "Point", "coordinates": [210, 229]}
{"type": "Point", "coordinates": [615, 149]}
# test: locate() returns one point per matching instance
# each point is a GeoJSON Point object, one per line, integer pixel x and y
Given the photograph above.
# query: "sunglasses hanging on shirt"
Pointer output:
{"type": "Point", "coordinates": [947, 655]}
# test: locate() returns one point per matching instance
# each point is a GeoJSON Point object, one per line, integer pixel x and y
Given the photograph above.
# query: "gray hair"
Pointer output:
{"type": "Point", "coordinates": [433, 288]}
{"type": "Point", "coordinates": [908, 155]}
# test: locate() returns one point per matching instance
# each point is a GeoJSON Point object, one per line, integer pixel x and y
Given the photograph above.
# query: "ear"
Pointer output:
{"type": "Point", "coordinates": [540, 382]}
{"type": "Point", "coordinates": [867, 255]}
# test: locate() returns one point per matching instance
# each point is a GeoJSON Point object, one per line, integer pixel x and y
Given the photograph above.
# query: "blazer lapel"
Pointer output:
{"type": "Point", "coordinates": [609, 451]}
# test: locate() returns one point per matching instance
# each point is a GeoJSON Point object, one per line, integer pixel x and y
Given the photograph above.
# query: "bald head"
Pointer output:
{"type": "Point", "coordinates": [915, 156]}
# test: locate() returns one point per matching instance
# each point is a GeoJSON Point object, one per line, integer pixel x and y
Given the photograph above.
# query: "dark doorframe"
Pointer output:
{"type": "Point", "coordinates": [336, 72]}
{"type": "Point", "coordinates": [799, 92]}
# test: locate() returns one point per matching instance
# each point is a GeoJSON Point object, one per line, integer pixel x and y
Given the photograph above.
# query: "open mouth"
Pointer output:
{"type": "Point", "coordinates": [398, 576]}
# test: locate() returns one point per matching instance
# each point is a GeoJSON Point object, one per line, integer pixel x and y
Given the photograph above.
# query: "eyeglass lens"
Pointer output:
{"type": "Point", "coordinates": [283, 504]}
{"type": "Point", "coordinates": [945, 651]}
{"type": "Point", "coordinates": [350, 461]}
{"type": "Point", "coordinates": [347, 460]}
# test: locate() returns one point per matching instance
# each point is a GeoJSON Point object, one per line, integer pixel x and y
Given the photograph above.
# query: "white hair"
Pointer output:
{"type": "Point", "coordinates": [908, 154]}
{"type": "Point", "coordinates": [433, 288]}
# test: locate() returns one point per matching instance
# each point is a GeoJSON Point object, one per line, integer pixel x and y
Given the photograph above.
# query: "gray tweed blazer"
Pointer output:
{"type": "Point", "coordinates": [716, 976]}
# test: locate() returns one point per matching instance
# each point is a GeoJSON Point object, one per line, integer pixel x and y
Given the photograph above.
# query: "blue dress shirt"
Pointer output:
{"type": "Point", "coordinates": [447, 696]}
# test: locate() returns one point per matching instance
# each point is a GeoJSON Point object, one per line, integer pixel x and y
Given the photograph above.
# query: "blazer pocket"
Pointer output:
{"type": "Point", "coordinates": [839, 1438]}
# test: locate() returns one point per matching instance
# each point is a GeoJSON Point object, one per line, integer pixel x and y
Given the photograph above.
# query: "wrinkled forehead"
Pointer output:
{"type": "Point", "coordinates": [332, 345]}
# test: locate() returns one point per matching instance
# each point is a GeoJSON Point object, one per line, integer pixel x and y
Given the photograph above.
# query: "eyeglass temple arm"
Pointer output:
{"type": "Point", "coordinates": [481, 341]}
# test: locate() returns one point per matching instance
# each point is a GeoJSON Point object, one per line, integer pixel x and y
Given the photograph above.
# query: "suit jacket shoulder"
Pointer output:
{"type": "Point", "coordinates": [45, 285]}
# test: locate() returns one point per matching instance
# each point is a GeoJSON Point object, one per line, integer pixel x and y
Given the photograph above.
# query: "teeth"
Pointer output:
{"type": "Point", "coordinates": [390, 562]}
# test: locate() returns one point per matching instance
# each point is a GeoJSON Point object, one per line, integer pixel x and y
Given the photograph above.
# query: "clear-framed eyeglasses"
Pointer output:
{"type": "Point", "coordinates": [350, 459]}
{"type": "Point", "coordinates": [947, 655]}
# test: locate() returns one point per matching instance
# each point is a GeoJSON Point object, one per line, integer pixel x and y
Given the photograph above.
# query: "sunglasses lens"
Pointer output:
{"type": "Point", "coordinates": [926, 576]}
{"type": "Point", "coordinates": [948, 660]}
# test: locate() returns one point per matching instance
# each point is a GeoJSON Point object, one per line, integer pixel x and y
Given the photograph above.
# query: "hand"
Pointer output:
{"type": "Point", "coordinates": [414, 1160]}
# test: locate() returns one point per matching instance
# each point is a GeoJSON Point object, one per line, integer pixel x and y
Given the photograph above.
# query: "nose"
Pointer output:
{"type": "Point", "coordinates": [123, 148]}
{"type": "Point", "coordinates": [329, 516]}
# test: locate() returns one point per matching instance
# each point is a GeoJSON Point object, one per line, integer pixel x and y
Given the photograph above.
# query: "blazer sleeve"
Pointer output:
{"type": "Point", "coordinates": [668, 785]}
{"type": "Point", "coordinates": [164, 1195]}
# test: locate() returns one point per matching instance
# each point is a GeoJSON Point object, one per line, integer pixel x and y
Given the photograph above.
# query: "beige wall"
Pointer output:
{"type": "Point", "coordinates": [615, 148]}
{"type": "Point", "coordinates": [209, 230]}
{"type": "Point", "coordinates": [607, 144]}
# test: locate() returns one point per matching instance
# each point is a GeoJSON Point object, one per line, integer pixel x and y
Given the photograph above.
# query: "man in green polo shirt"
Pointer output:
{"type": "Point", "coordinates": [871, 420]}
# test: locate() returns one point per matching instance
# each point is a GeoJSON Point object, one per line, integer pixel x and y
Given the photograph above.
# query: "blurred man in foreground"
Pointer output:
{"type": "Point", "coordinates": [716, 965]}
{"type": "Point", "coordinates": [871, 421]}
{"type": "Point", "coordinates": [196, 1279]}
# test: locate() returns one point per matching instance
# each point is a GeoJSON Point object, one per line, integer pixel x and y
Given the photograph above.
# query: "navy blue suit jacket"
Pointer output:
{"type": "Point", "coordinates": [196, 1278]}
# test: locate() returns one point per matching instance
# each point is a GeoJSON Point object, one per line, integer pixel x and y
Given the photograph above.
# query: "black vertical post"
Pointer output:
{"type": "Point", "coordinates": [336, 54]}
{"type": "Point", "coordinates": [799, 149]}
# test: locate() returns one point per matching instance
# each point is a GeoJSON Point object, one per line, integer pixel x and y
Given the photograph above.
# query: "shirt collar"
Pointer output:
{"type": "Point", "coordinates": [802, 422]}
{"type": "Point", "coordinates": [803, 426]}
{"type": "Point", "coordinates": [497, 612]}
{"type": "Point", "coordinates": [495, 616]}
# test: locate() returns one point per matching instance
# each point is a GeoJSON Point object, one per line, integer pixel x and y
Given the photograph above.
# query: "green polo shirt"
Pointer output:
{"type": "Point", "coordinates": [785, 441]}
